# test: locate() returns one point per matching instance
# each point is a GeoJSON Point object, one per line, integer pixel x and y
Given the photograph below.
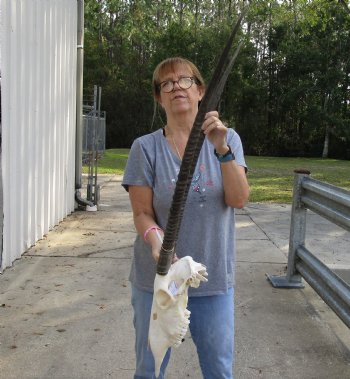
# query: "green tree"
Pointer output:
{"type": "Point", "coordinates": [287, 95]}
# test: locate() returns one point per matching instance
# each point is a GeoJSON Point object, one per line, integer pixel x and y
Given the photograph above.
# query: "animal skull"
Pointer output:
{"type": "Point", "coordinates": [169, 316]}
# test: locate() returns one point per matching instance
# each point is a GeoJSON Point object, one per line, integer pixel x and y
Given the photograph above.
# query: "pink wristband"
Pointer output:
{"type": "Point", "coordinates": [154, 227]}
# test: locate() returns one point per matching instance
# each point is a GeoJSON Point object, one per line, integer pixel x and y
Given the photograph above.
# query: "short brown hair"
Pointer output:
{"type": "Point", "coordinates": [169, 64]}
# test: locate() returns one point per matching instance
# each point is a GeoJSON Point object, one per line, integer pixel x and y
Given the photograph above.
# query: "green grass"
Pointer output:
{"type": "Point", "coordinates": [113, 161]}
{"type": "Point", "coordinates": [270, 178]}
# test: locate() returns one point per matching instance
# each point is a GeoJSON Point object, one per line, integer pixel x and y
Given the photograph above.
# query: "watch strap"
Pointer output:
{"type": "Point", "coordinates": [228, 156]}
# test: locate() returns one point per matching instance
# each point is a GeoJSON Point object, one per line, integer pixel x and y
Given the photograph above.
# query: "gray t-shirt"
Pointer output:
{"type": "Point", "coordinates": [207, 231]}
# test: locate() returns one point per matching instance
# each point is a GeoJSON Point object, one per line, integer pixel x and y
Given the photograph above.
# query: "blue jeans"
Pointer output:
{"type": "Point", "coordinates": [212, 330]}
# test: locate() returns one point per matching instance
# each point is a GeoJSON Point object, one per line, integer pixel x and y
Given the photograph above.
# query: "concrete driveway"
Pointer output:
{"type": "Point", "coordinates": [65, 311]}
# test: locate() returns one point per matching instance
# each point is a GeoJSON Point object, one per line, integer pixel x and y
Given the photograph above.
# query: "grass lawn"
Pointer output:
{"type": "Point", "coordinates": [112, 162]}
{"type": "Point", "coordinates": [270, 178]}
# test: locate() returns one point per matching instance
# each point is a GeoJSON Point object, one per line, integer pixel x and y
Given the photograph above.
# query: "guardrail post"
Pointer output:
{"type": "Point", "coordinates": [296, 237]}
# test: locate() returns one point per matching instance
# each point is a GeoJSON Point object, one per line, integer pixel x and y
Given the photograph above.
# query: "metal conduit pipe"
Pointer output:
{"type": "Point", "coordinates": [79, 105]}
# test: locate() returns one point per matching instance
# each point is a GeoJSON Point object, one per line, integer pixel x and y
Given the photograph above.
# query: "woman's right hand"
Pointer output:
{"type": "Point", "coordinates": [156, 254]}
{"type": "Point", "coordinates": [156, 244]}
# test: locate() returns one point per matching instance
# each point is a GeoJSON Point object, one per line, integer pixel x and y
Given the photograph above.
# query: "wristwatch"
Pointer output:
{"type": "Point", "coordinates": [228, 156]}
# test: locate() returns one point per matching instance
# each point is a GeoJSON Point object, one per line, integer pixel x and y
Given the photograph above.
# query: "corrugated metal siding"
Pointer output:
{"type": "Point", "coordinates": [38, 119]}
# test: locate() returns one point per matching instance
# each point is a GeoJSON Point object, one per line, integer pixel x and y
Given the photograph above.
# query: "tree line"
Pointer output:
{"type": "Point", "coordinates": [287, 95]}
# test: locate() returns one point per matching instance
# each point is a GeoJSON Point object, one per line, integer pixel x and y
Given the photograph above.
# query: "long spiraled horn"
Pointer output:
{"type": "Point", "coordinates": [209, 102]}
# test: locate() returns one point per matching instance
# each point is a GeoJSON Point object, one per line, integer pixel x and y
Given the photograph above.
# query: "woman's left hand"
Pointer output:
{"type": "Point", "coordinates": [215, 130]}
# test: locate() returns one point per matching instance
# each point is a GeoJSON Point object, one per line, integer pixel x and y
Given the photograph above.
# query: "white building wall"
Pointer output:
{"type": "Point", "coordinates": [38, 70]}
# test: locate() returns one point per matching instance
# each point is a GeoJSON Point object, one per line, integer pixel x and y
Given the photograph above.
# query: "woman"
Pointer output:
{"type": "Point", "coordinates": [207, 231]}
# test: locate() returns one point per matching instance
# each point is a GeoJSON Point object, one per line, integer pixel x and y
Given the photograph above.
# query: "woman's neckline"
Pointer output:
{"type": "Point", "coordinates": [174, 144]}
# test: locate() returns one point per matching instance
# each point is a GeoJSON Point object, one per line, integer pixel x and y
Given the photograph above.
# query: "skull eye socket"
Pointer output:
{"type": "Point", "coordinates": [164, 299]}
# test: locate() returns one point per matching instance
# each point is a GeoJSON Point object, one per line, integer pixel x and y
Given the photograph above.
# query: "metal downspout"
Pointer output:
{"type": "Point", "coordinates": [1, 203]}
{"type": "Point", "coordinates": [79, 107]}
{"type": "Point", "coordinates": [1, 187]}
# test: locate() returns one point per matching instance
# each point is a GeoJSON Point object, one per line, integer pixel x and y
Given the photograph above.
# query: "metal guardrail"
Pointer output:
{"type": "Point", "coordinates": [332, 203]}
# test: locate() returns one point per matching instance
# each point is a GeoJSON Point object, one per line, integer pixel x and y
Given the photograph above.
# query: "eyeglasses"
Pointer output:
{"type": "Point", "coordinates": [184, 83]}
